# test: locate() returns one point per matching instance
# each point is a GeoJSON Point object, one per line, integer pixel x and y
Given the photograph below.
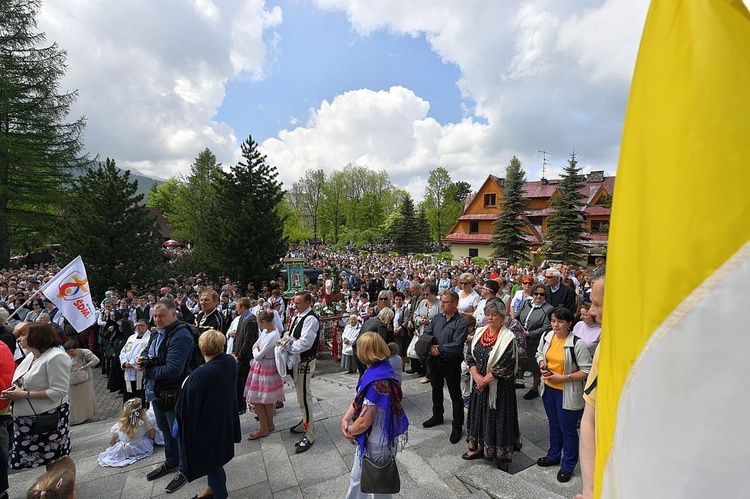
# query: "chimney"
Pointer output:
{"type": "Point", "coordinates": [597, 176]}
{"type": "Point", "coordinates": [544, 181]}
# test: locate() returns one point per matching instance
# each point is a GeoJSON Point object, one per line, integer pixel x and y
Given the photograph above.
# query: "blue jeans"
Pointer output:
{"type": "Point", "coordinates": [378, 454]}
{"type": "Point", "coordinates": [563, 437]}
{"type": "Point", "coordinates": [217, 480]}
{"type": "Point", "coordinates": [165, 420]}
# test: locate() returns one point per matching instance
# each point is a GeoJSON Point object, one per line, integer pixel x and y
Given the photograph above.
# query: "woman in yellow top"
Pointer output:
{"type": "Point", "coordinates": [565, 362]}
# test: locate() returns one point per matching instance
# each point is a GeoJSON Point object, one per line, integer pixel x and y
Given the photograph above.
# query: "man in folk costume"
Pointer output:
{"type": "Point", "coordinates": [304, 331]}
{"type": "Point", "coordinates": [128, 356]}
{"type": "Point", "coordinates": [209, 317]}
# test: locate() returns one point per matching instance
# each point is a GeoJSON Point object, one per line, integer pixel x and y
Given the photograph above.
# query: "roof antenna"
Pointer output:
{"type": "Point", "coordinates": [544, 164]}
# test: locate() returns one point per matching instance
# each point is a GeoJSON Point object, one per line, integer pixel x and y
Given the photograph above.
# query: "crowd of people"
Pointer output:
{"type": "Point", "coordinates": [475, 330]}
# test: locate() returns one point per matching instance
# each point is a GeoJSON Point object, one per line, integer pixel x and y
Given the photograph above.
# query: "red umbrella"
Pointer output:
{"type": "Point", "coordinates": [170, 243]}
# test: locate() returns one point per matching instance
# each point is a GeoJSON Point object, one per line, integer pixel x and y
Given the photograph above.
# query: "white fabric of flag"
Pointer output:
{"type": "Point", "coordinates": [70, 292]}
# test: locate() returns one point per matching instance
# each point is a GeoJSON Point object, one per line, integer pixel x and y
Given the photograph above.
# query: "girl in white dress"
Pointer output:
{"type": "Point", "coordinates": [264, 386]}
{"type": "Point", "coordinates": [132, 437]}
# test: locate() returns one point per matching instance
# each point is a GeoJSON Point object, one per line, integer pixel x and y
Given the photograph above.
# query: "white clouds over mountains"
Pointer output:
{"type": "Point", "coordinates": [535, 74]}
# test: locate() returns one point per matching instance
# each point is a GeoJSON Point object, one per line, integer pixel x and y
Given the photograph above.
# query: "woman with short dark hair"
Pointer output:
{"type": "Point", "coordinates": [41, 427]}
{"type": "Point", "coordinates": [534, 317]}
{"type": "Point", "coordinates": [565, 362]}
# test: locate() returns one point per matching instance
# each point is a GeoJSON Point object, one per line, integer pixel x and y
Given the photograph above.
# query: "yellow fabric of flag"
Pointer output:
{"type": "Point", "coordinates": [681, 209]}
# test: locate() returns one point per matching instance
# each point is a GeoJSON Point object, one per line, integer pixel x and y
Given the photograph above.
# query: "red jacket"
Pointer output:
{"type": "Point", "coordinates": [7, 369]}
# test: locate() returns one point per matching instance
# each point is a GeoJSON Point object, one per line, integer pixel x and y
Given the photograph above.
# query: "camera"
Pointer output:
{"type": "Point", "coordinates": [149, 362]}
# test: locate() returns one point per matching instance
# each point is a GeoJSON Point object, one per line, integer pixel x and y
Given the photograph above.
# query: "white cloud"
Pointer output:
{"type": "Point", "coordinates": [543, 74]}
{"type": "Point", "coordinates": [151, 75]}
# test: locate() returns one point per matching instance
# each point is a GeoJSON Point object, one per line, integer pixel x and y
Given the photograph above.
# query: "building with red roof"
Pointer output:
{"type": "Point", "coordinates": [472, 233]}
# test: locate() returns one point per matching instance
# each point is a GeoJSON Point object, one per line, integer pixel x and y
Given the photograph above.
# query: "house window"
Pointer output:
{"type": "Point", "coordinates": [473, 252]}
{"type": "Point", "coordinates": [473, 227]}
{"type": "Point", "coordinates": [599, 226]}
{"type": "Point", "coordinates": [489, 200]}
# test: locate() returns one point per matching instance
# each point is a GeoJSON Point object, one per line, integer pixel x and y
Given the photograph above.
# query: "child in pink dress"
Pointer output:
{"type": "Point", "coordinates": [264, 385]}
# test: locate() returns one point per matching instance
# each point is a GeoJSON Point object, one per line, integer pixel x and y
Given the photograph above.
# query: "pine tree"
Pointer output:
{"type": "Point", "coordinates": [508, 237]}
{"type": "Point", "coordinates": [106, 223]}
{"type": "Point", "coordinates": [422, 230]}
{"type": "Point", "coordinates": [565, 225]}
{"type": "Point", "coordinates": [38, 148]}
{"type": "Point", "coordinates": [405, 237]}
{"type": "Point", "coordinates": [246, 237]}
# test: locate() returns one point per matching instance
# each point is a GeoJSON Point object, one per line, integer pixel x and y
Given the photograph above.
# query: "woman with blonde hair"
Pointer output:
{"type": "Point", "coordinates": [375, 421]}
{"type": "Point", "coordinates": [468, 299]}
{"type": "Point", "coordinates": [207, 416]}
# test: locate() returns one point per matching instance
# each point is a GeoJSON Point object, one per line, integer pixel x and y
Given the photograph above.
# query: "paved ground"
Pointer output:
{"type": "Point", "coordinates": [430, 466]}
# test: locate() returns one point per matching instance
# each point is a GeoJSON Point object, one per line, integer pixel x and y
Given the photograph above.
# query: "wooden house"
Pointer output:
{"type": "Point", "coordinates": [472, 234]}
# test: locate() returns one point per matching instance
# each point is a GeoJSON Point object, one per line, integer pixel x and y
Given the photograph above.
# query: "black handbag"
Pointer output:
{"type": "Point", "coordinates": [380, 478]}
{"type": "Point", "coordinates": [166, 398]}
{"type": "Point", "coordinates": [45, 422]}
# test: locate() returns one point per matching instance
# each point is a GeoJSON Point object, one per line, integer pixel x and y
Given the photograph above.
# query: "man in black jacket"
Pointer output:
{"type": "Point", "coordinates": [558, 294]}
{"type": "Point", "coordinates": [242, 350]}
{"type": "Point", "coordinates": [449, 329]}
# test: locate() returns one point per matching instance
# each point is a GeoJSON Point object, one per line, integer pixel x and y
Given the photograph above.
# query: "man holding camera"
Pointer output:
{"type": "Point", "coordinates": [164, 363]}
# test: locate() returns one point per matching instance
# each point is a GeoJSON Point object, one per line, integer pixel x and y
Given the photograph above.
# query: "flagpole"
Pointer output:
{"type": "Point", "coordinates": [40, 292]}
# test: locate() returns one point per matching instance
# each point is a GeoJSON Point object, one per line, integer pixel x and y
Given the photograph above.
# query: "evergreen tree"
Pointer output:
{"type": "Point", "coordinates": [38, 148]}
{"type": "Point", "coordinates": [246, 236]}
{"type": "Point", "coordinates": [405, 237]}
{"type": "Point", "coordinates": [508, 237]}
{"type": "Point", "coordinates": [106, 223]}
{"type": "Point", "coordinates": [565, 225]}
{"type": "Point", "coordinates": [422, 230]}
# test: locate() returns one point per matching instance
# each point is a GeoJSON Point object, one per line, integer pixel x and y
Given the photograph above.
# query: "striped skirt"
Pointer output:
{"type": "Point", "coordinates": [264, 385]}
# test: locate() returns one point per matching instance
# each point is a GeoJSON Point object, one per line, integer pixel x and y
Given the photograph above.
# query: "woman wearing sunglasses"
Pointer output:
{"type": "Point", "coordinates": [534, 316]}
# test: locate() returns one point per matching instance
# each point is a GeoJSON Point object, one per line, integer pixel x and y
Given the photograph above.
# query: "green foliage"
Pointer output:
{"type": "Point", "coordinates": [306, 197]}
{"type": "Point", "coordinates": [106, 223]}
{"type": "Point", "coordinates": [244, 238]}
{"type": "Point", "coordinates": [294, 231]}
{"type": "Point", "coordinates": [440, 204]}
{"type": "Point", "coordinates": [39, 149]}
{"type": "Point", "coordinates": [194, 205]}
{"type": "Point", "coordinates": [508, 237]}
{"type": "Point", "coordinates": [405, 236]}
{"type": "Point", "coordinates": [479, 261]}
{"type": "Point", "coordinates": [164, 197]}
{"type": "Point", "coordinates": [462, 191]}
{"type": "Point", "coordinates": [445, 256]}
{"type": "Point", "coordinates": [565, 226]}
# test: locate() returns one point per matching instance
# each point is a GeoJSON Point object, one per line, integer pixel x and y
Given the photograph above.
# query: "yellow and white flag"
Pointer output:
{"type": "Point", "coordinates": [673, 402]}
{"type": "Point", "coordinates": [69, 291]}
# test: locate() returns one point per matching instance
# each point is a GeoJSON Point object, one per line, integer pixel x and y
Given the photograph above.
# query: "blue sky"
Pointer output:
{"type": "Point", "coordinates": [319, 56]}
{"type": "Point", "coordinates": [398, 86]}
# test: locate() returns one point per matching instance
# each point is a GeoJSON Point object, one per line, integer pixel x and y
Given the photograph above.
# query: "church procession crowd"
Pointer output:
{"type": "Point", "coordinates": [191, 344]}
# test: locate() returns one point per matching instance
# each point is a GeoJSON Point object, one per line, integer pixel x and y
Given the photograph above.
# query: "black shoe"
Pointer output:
{"type": "Point", "coordinates": [545, 463]}
{"type": "Point", "coordinates": [531, 395]}
{"type": "Point", "coordinates": [160, 472]}
{"type": "Point", "coordinates": [433, 421]}
{"type": "Point", "coordinates": [410, 371]}
{"type": "Point", "coordinates": [242, 411]}
{"type": "Point", "coordinates": [303, 445]}
{"type": "Point", "coordinates": [563, 476]}
{"type": "Point", "coordinates": [196, 496]}
{"type": "Point", "coordinates": [456, 435]}
{"type": "Point", "coordinates": [520, 384]}
{"type": "Point", "coordinates": [298, 428]}
{"type": "Point", "coordinates": [471, 457]}
{"type": "Point", "coordinates": [176, 483]}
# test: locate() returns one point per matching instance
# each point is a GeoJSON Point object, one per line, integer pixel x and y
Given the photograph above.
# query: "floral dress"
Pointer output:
{"type": "Point", "coordinates": [494, 431]}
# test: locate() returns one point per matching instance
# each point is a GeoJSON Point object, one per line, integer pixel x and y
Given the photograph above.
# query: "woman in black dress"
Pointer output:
{"type": "Point", "coordinates": [492, 422]}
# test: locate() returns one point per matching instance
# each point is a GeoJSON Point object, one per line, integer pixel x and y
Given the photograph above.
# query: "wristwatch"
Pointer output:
{"type": "Point", "coordinates": [27, 394]}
